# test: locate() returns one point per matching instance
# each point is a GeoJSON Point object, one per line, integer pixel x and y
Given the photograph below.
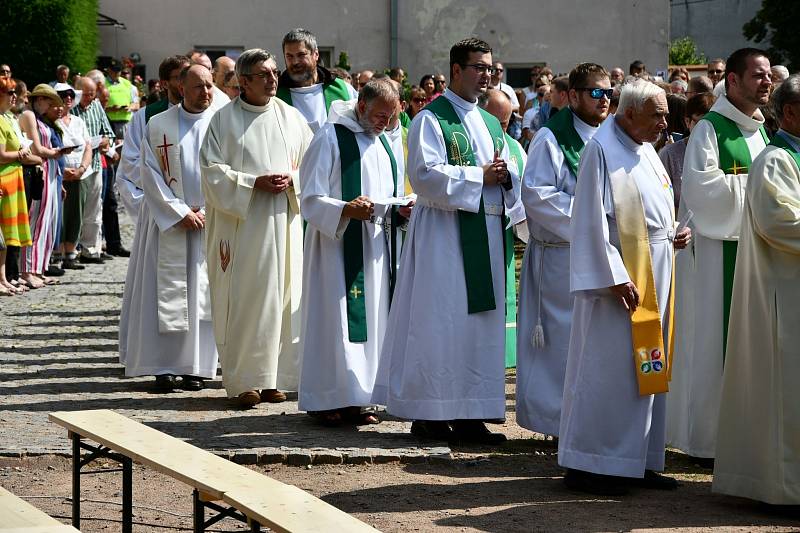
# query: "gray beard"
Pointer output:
{"type": "Point", "coordinates": [302, 77]}
{"type": "Point", "coordinates": [368, 128]}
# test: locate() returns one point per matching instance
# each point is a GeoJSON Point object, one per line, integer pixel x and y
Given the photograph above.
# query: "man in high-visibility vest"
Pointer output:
{"type": "Point", "coordinates": [123, 99]}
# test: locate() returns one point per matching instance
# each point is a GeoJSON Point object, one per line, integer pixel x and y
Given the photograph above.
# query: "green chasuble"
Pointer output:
{"type": "Point", "coordinates": [511, 268]}
{"type": "Point", "coordinates": [350, 160]}
{"type": "Point", "coordinates": [781, 142]}
{"type": "Point", "coordinates": [335, 90]}
{"type": "Point", "coordinates": [734, 158]}
{"type": "Point", "coordinates": [472, 226]}
{"type": "Point", "coordinates": [154, 109]}
{"type": "Point", "coordinates": [567, 137]}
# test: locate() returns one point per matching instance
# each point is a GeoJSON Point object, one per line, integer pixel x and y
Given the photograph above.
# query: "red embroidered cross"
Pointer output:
{"type": "Point", "coordinates": [164, 158]}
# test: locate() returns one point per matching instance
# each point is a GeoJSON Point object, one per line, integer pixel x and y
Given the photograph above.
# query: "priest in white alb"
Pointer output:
{"type": "Point", "coordinates": [443, 358]}
{"type": "Point", "coordinates": [352, 243]}
{"type": "Point", "coordinates": [718, 154]}
{"type": "Point", "coordinates": [545, 302]}
{"type": "Point", "coordinates": [166, 306]}
{"type": "Point", "coordinates": [758, 445]}
{"type": "Point", "coordinates": [611, 433]}
{"type": "Point", "coordinates": [249, 162]}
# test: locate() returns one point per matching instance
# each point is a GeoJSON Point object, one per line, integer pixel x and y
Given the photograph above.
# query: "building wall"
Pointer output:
{"type": "Point", "coordinates": [716, 25]}
{"type": "Point", "coordinates": [562, 33]}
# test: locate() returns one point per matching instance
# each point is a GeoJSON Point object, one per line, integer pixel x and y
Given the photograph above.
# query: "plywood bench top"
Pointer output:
{"type": "Point", "coordinates": [18, 516]}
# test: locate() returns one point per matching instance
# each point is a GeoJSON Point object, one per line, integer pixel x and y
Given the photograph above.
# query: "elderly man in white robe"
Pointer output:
{"type": "Point", "coordinates": [305, 84]}
{"type": "Point", "coordinates": [442, 363]}
{"type": "Point", "coordinates": [611, 434]}
{"type": "Point", "coordinates": [128, 183]}
{"type": "Point", "coordinates": [548, 191]}
{"type": "Point", "coordinates": [351, 247]}
{"type": "Point", "coordinates": [719, 151]}
{"type": "Point", "coordinates": [758, 449]}
{"type": "Point", "coordinates": [249, 161]}
{"type": "Point", "coordinates": [166, 306]}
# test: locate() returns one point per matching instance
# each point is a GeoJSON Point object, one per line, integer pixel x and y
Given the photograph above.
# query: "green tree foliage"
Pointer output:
{"type": "Point", "coordinates": [38, 35]}
{"type": "Point", "coordinates": [684, 51]}
{"type": "Point", "coordinates": [776, 22]}
{"type": "Point", "coordinates": [344, 61]}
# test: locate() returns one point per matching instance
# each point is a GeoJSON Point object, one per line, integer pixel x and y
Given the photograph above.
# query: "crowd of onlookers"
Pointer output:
{"type": "Point", "coordinates": [58, 149]}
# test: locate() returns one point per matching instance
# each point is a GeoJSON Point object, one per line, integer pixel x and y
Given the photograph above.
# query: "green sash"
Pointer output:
{"type": "Point", "coordinates": [781, 142]}
{"type": "Point", "coordinates": [472, 226]}
{"type": "Point", "coordinates": [335, 90]}
{"type": "Point", "coordinates": [154, 109]}
{"type": "Point", "coordinates": [734, 158]}
{"type": "Point", "coordinates": [511, 269]}
{"type": "Point", "coordinates": [350, 159]}
{"type": "Point", "coordinates": [563, 128]}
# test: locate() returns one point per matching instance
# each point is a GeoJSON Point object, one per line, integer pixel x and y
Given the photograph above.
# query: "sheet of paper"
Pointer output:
{"type": "Point", "coordinates": [394, 200]}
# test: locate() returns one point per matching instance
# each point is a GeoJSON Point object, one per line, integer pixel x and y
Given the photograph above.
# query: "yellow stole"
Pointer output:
{"type": "Point", "coordinates": [653, 368]}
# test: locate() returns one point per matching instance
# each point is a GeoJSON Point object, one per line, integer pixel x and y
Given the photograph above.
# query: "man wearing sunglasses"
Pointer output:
{"type": "Point", "coordinates": [443, 359]}
{"type": "Point", "coordinates": [497, 83]}
{"type": "Point", "coordinates": [548, 191]}
{"type": "Point", "coordinates": [305, 84]}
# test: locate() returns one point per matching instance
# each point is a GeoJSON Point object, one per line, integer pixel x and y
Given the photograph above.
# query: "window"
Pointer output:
{"type": "Point", "coordinates": [215, 52]}
{"type": "Point", "coordinates": [519, 75]}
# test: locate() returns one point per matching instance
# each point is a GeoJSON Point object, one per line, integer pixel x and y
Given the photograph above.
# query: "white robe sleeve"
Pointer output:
{"type": "Point", "coordinates": [595, 263]}
{"type": "Point", "coordinates": [225, 189]}
{"type": "Point", "coordinates": [544, 200]}
{"type": "Point", "coordinates": [774, 201]}
{"type": "Point", "coordinates": [716, 198]}
{"type": "Point", "coordinates": [431, 176]}
{"type": "Point", "coordinates": [165, 208]}
{"type": "Point", "coordinates": [128, 181]}
{"type": "Point", "coordinates": [317, 173]}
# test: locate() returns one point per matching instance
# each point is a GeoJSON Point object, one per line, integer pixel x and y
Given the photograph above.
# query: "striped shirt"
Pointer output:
{"type": "Point", "coordinates": [97, 123]}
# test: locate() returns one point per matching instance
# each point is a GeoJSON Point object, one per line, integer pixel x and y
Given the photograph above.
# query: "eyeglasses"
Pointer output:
{"type": "Point", "coordinates": [597, 93]}
{"type": "Point", "coordinates": [480, 69]}
{"type": "Point", "coordinates": [717, 71]}
{"type": "Point", "coordinates": [439, 81]}
{"type": "Point", "coordinates": [263, 75]}
{"type": "Point", "coordinates": [419, 100]}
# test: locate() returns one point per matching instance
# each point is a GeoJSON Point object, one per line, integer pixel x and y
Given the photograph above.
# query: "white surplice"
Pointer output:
{"type": "Point", "coordinates": [606, 427]}
{"type": "Point", "coordinates": [758, 449]}
{"type": "Point", "coordinates": [145, 348]}
{"type": "Point", "coordinates": [717, 201]}
{"type": "Point", "coordinates": [127, 178]}
{"type": "Point", "coordinates": [336, 372]}
{"type": "Point", "coordinates": [255, 241]}
{"type": "Point", "coordinates": [439, 362]}
{"type": "Point", "coordinates": [548, 190]}
{"type": "Point", "coordinates": [310, 101]}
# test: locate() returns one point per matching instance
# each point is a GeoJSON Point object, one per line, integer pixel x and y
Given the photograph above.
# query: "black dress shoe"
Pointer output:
{"type": "Point", "coordinates": [72, 264]}
{"type": "Point", "coordinates": [597, 484]}
{"type": "Point", "coordinates": [106, 257]}
{"type": "Point", "coordinates": [192, 383]}
{"type": "Point", "coordinates": [475, 432]}
{"type": "Point", "coordinates": [165, 383]}
{"type": "Point", "coordinates": [54, 270]}
{"type": "Point", "coordinates": [91, 260]}
{"type": "Point", "coordinates": [119, 252]}
{"type": "Point", "coordinates": [431, 429]}
{"type": "Point", "coordinates": [652, 480]}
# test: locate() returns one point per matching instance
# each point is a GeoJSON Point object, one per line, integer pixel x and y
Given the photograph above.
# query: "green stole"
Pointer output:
{"type": "Point", "coordinates": [335, 90]}
{"type": "Point", "coordinates": [511, 268]}
{"type": "Point", "coordinates": [350, 159]}
{"type": "Point", "coordinates": [781, 142]}
{"type": "Point", "coordinates": [154, 109]}
{"type": "Point", "coordinates": [734, 158]}
{"type": "Point", "coordinates": [474, 236]}
{"type": "Point", "coordinates": [571, 144]}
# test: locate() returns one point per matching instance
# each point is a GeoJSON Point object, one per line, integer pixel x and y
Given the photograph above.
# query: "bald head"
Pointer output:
{"type": "Point", "coordinates": [200, 58]}
{"type": "Point", "coordinates": [197, 88]}
{"type": "Point", "coordinates": [89, 91]}
{"type": "Point", "coordinates": [497, 103]}
{"type": "Point", "coordinates": [222, 66]}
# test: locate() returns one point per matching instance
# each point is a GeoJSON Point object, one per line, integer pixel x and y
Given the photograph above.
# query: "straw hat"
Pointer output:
{"type": "Point", "coordinates": [48, 92]}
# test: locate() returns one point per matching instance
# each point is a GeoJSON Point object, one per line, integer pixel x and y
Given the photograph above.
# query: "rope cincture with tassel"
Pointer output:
{"type": "Point", "coordinates": [538, 331]}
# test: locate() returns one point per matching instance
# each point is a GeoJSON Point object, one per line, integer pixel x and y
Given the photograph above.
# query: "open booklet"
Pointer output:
{"type": "Point", "coordinates": [395, 200]}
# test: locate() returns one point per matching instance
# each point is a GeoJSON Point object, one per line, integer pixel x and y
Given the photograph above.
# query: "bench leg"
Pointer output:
{"type": "Point", "coordinates": [76, 481]}
{"type": "Point", "coordinates": [127, 495]}
{"type": "Point", "coordinates": [199, 512]}
{"type": "Point", "coordinates": [255, 526]}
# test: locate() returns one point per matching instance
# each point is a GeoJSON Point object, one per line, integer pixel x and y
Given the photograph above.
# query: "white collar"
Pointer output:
{"type": "Point", "coordinates": [458, 101]}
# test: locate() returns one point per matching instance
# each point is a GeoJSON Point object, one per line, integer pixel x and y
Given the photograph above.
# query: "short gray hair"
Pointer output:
{"type": "Point", "coordinates": [300, 35]}
{"type": "Point", "coordinates": [779, 71]}
{"type": "Point", "coordinates": [382, 88]}
{"type": "Point", "coordinates": [787, 92]}
{"type": "Point", "coordinates": [634, 94]}
{"type": "Point", "coordinates": [249, 59]}
{"type": "Point", "coordinates": [96, 76]}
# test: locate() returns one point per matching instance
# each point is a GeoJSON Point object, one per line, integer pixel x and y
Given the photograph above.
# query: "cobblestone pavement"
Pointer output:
{"type": "Point", "coordinates": [59, 352]}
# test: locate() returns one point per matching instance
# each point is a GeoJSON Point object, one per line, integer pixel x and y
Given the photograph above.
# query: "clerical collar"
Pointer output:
{"type": "Point", "coordinates": [626, 140]}
{"type": "Point", "coordinates": [460, 102]}
{"type": "Point", "coordinates": [725, 107]}
{"type": "Point", "coordinates": [193, 116]}
{"type": "Point", "coordinates": [255, 108]}
{"type": "Point", "coordinates": [580, 125]}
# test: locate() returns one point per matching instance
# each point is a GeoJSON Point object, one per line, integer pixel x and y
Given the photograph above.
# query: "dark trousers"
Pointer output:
{"type": "Point", "coordinates": [12, 262]}
{"type": "Point", "coordinates": [110, 217]}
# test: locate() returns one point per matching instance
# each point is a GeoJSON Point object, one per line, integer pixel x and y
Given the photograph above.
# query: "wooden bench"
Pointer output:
{"type": "Point", "coordinates": [18, 516]}
{"type": "Point", "coordinates": [229, 489]}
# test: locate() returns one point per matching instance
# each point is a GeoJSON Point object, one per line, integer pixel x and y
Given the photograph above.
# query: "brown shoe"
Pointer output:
{"type": "Point", "coordinates": [272, 396]}
{"type": "Point", "coordinates": [248, 399]}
